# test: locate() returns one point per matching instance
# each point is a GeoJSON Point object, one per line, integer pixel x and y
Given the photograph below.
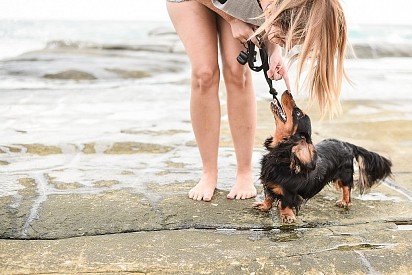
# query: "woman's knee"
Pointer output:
{"type": "Point", "coordinates": [205, 78]}
{"type": "Point", "coordinates": [236, 74]}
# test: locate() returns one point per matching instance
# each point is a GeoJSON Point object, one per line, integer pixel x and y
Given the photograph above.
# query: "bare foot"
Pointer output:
{"type": "Point", "coordinates": [243, 188]}
{"type": "Point", "coordinates": [204, 189]}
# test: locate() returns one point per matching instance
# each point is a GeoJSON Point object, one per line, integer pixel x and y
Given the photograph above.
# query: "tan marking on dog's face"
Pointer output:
{"type": "Point", "coordinates": [287, 129]}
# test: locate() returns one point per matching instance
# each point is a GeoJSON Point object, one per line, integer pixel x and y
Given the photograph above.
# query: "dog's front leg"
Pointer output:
{"type": "Point", "coordinates": [266, 204]}
{"type": "Point", "coordinates": [286, 214]}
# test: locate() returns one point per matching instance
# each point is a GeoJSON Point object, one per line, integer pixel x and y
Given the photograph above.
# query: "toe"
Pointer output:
{"type": "Point", "coordinates": [196, 197]}
{"type": "Point", "coordinates": [199, 197]}
{"type": "Point", "coordinates": [231, 195]}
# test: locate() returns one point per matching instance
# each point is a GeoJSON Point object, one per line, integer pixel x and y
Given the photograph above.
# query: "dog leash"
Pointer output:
{"type": "Point", "coordinates": [250, 57]}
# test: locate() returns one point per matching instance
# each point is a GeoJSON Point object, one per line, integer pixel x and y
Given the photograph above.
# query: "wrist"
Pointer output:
{"type": "Point", "coordinates": [274, 49]}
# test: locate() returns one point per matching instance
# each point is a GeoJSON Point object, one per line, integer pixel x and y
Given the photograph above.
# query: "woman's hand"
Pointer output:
{"type": "Point", "coordinates": [277, 70]}
{"type": "Point", "coordinates": [242, 31]}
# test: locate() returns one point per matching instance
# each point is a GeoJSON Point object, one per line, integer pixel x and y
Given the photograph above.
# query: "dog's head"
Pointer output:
{"type": "Point", "coordinates": [294, 130]}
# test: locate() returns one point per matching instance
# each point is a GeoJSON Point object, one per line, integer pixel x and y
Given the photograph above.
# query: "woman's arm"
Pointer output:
{"type": "Point", "coordinates": [277, 68]}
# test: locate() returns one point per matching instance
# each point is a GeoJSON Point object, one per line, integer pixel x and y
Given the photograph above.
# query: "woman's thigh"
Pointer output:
{"type": "Point", "coordinates": [230, 48]}
{"type": "Point", "coordinates": [197, 28]}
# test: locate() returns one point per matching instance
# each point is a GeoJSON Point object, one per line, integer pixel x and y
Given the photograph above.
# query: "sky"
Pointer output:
{"type": "Point", "coordinates": [394, 12]}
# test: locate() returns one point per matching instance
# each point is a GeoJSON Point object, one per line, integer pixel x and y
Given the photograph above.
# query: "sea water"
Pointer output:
{"type": "Point", "coordinates": [29, 50]}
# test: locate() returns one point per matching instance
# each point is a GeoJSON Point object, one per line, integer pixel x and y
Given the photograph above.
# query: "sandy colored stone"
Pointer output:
{"type": "Point", "coordinates": [153, 133]}
{"type": "Point", "coordinates": [105, 183]}
{"type": "Point", "coordinates": [66, 185]}
{"type": "Point", "coordinates": [42, 150]}
{"type": "Point", "coordinates": [163, 172]}
{"type": "Point", "coordinates": [127, 172]}
{"type": "Point", "coordinates": [191, 143]}
{"type": "Point", "coordinates": [27, 182]}
{"type": "Point", "coordinates": [89, 148]}
{"type": "Point", "coordinates": [71, 75]}
{"type": "Point", "coordinates": [3, 162]}
{"type": "Point", "coordinates": [13, 149]}
{"type": "Point", "coordinates": [172, 164]}
{"type": "Point", "coordinates": [129, 73]}
{"type": "Point", "coordinates": [137, 147]}
{"type": "Point", "coordinates": [404, 180]}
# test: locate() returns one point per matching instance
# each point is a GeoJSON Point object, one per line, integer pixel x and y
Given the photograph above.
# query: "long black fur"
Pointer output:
{"type": "Point", "coordinates": [334, 161]}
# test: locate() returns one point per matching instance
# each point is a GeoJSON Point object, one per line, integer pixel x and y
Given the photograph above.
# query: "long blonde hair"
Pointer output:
{"type": "Point", "coordinates": [319, 26]}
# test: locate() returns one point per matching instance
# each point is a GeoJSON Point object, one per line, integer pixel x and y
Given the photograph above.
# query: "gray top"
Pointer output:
{"type": "Point", "coordinates": [245, 10]}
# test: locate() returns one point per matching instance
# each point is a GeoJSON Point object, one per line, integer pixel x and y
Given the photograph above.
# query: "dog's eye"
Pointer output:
{"type": "Point", "coordinates": [299, 113]}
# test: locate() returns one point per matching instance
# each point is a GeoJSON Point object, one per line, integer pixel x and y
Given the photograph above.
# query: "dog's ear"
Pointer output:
{"type": "Point", "coordinates": [305, 152]}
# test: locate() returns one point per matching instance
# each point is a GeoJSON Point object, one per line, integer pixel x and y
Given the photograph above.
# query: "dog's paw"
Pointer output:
{"type": "Point", "coordinates": [262, 206]}
{"type": "Point", "coordinates": [343, 204]}
{"type": "Point", "coordinates": [287, 219]}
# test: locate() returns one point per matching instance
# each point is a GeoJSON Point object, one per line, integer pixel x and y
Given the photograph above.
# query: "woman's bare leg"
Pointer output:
{"type": "Point", "coordinates": [196, 27]}
{"type": "Point", "coordinates": [241, 107]}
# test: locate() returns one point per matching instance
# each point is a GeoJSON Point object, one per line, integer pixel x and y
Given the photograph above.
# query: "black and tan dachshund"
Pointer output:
{"type": "Point", "coordinates": [294, 170]}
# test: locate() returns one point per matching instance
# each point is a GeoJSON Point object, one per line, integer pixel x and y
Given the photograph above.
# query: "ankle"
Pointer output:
{"type": "Point", "coordinates": [210, 173]}
{"type": "Point", "coordinates": [244, 171]}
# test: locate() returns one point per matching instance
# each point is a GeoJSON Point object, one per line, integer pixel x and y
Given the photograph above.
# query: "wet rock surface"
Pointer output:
{"type": "Point", "coordinates": [71, 74]}
{"type": "Point", "coordinates": [333, 250]}
{"type": "Point", "coordinates": [105, 190]}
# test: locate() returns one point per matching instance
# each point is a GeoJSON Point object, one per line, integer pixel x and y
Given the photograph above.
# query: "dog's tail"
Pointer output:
{"type": "Point", "coordinates": [372, 167]}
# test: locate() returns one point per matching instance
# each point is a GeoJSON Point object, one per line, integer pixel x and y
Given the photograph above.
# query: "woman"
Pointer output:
{"type": "Point", "coordinates": [318, 25]}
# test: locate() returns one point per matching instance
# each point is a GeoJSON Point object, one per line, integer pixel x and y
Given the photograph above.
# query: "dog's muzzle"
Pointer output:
{"type": "Point", "coordinates": [278, 110]}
